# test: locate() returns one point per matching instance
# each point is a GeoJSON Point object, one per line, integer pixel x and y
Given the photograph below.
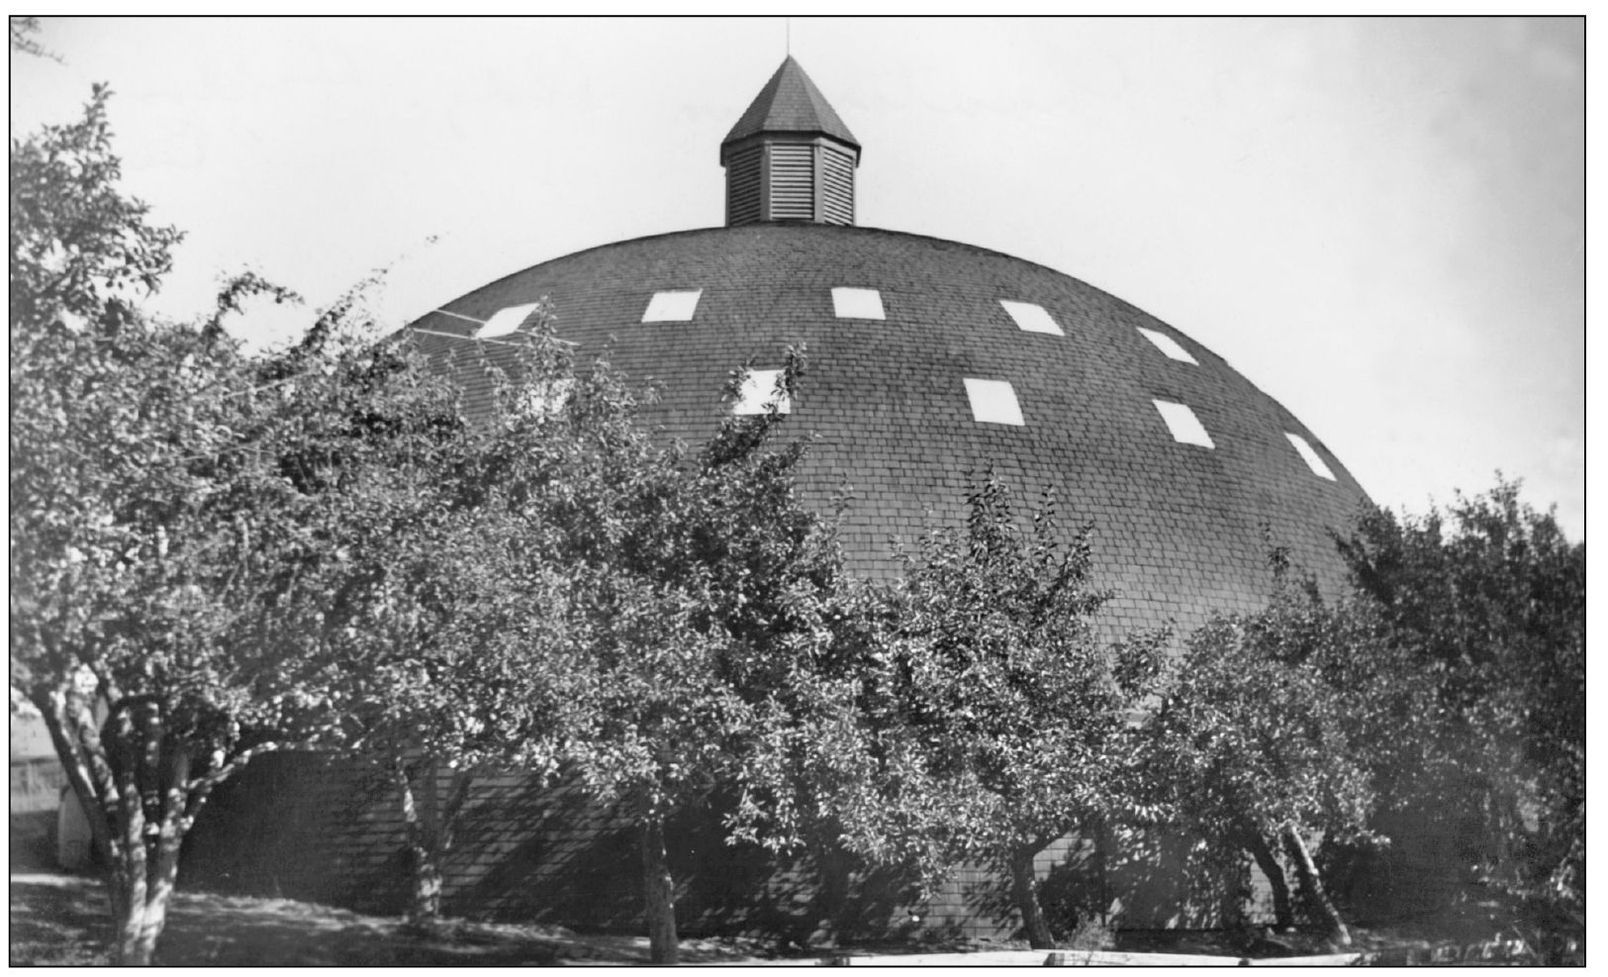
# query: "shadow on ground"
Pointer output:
{"type": "Point", "coordinates": [62, 920]}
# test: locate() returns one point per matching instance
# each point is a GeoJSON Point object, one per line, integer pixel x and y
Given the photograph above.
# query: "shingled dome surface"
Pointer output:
{"type": "Point", "coordinates": [930, 362]}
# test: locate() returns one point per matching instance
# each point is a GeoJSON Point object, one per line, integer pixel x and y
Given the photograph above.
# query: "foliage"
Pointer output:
{"type": "Point", "coordinates": [1487, 602]}
{"type": "Point", "coordinates": [1270, 732]}
{"type": "Point", "coordinates": [180, 513]}
{"type": "Point", "coordinates": [1259, 726]}
{"type": "Point", "coordinates": [442, 633]}
{"type": "Point", "coordinates": [698, 581]}
{"type": "Point", "coordinates": [81, 251]}
{"type": "Point", "coordinates": [23, 41]}
{"type": "Point", "coordinates": [985, 717]}
{"type": "Point", "coordinates": [136, 487]}
{"type": "Point", "coordinates": [1449, 684]}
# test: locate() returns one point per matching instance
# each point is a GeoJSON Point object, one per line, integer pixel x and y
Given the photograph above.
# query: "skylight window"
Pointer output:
{"type": "Point", "coordinates": [1031, 318]}
{"type": "Point", "coordinates": [1168, 345]}
{"type": "Point", "coordinates": [505, 321]}
{"type": "Point", "coordinates": [1181, 421]}
{"type": "Point", "coordinates": [1310, 456]}
{"type": "Point", "coordinates": [759, 391]}
{"type": "Point", "coordinates": [672, 306]}
{"type": "Point", "coordinates": [993, 402]}
{"type": "Point", "coordinates": [857, 303]}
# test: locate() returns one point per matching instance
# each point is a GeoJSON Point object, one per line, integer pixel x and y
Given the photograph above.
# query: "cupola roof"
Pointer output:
{"type": "Point", "coordinates": [790, 102]}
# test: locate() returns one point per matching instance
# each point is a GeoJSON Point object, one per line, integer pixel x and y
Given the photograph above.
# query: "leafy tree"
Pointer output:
{"type": "Point", "coordinates": [176, 510]}
{"type": "Point", "coordinates": [427, 615]}
{"type": "Point", "coordinates": [1487, 602]}
{"type": "Point", "coordinates": [1268, 733]}
{"type": "Point", "coordinates": [988, 719]}
{"type": "Point", "coordinates": [698, 579]}
{"type": "Point", "coordinates": [173, 517]}
{"type": "Point", "coordinates": [127, 487]}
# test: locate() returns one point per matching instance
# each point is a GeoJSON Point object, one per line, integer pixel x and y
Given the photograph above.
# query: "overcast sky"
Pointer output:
{"type": "Point", "coordinates": [1379, 222]}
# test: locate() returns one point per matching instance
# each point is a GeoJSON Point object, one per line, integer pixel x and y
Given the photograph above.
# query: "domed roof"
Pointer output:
{"type": "Point", "coordinates": [930, 361]}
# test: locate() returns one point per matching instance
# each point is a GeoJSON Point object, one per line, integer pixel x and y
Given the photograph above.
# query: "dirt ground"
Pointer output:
{"type": "Point", "coordinates": [60, 919]}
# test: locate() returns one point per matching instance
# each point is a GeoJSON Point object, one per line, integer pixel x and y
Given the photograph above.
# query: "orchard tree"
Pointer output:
{"type": "Point", "coordinates": [1268, 733]}
{"type": "Point", "coordinates": [1487, 602]}
{"type": "Point", "coordinates": [476, 612]}
{"type": "Point", "coordinates": [435, 606]}
{"type": "Point", "coordinates": [171, 528]}
{"type": "Point", "coordinates": [991, 718]}
{"type": "Point", "coordinates": [132, 501]}
{"type": "Point", "coordinates": [176, 510]}
{"type": "Point", "coordinates": [697, 579]}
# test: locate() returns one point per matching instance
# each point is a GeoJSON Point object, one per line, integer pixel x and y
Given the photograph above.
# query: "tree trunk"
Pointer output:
{"type": "Point", "coordinates": [1106, 904]}
{"type": "Point", "coordinates": [1283, 911]}
{"type": "Point", "coordinates": [835, 916]}
{"type": "Point", "coordinates": [63, 719]}
{"type": "Point", "coordinates": [659, 893]}
{"type": "Point", "coordinates": [1024, 892]}
{"type": "Point", "coordinates": [1312, 893]}
{"type": "Point", "coordinates": [146, 842]}
{"type": "Point", "coordinates": [134, 782]}
{"type": "Point", "coordinates": [142, 926]}
{"type": "Point", "coordinates": [424, 905]}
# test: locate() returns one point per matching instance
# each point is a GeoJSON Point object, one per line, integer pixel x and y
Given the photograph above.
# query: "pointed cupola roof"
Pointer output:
{"type": "Point", "coordinates": [790, 102]}
{"type": "Point", "coordinates": [789, 158]}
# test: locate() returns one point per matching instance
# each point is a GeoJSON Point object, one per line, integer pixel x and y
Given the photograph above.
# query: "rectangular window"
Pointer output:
{"type": "Point", "coordinates": [505, 321]}
{"type": "Point", "coordinates": [1031, 318]}
{"type": "Point", "coordinates": [857, 303]}
{"type": "Point", "coordinates": [1181, 421]}
{"type": "Point", "coordinates": [759, 391]}
{"type": "Point", "coordinates": [672, 306]}
{"type": "Point", "coordinates": [1310, 456]}
{"type": "Point", "coordinates": [993, 402]}
{"type": "Point", "coordinates": [1168, 345]}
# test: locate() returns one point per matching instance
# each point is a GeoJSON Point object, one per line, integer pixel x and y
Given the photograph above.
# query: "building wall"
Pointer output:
{"type": "Point", "coordinates": [311, 827]}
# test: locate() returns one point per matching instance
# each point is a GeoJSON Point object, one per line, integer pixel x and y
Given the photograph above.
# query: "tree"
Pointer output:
{"type": "Point", "coordinates": [171, 521]}
{"type": "Point", "coordinates": [124, 453]}
{"type": "Point", "coordinates": [1487, 602]}
{"type": "Point", "coordinates": [988, 718]}
{"type": "Point", "coordinates": [1268, 731]}
{"type": "Point", "coordinates": [175, 510]}
{"type": "Point", "coordinates": [459, 611]}
{"type": "Point", "coordinates": [698, 580]}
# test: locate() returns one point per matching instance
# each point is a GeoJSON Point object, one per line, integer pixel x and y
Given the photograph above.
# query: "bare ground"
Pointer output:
{"type": "Point", "coordinates": [61, 920]}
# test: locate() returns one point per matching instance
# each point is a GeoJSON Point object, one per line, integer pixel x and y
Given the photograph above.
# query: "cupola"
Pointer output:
{"type": "Point", "coordinates": [790, 158]}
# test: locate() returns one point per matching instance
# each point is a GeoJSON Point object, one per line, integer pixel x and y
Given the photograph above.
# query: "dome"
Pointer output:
{"type": "Point", "coordinates": [930, 362]}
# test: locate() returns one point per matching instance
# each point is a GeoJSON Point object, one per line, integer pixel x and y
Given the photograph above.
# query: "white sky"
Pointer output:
{"type": "Point", "coordinates": [1379, 222]}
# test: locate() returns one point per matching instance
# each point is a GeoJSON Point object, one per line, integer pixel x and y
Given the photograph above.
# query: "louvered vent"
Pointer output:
{"type": "Point", "coordinates": [792, 182]}
{"type": "Point", "coordinates": [743, 183]}
{"type": "Point", "coordinates": [789, 157]}
{"type": "Point", "coordinates": [837, 187]}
